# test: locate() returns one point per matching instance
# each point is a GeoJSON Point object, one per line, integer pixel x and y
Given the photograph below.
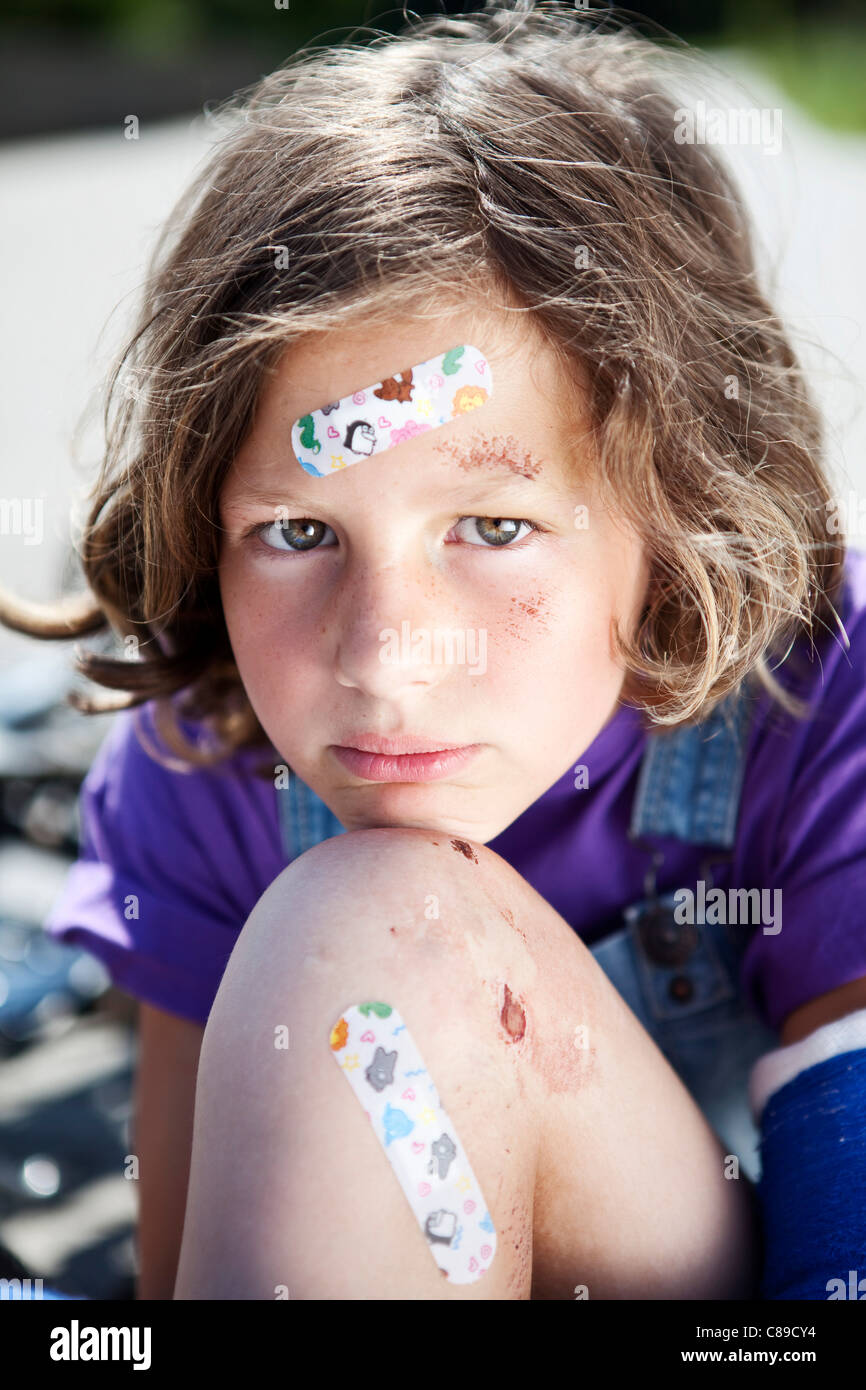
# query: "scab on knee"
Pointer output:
{"type": "Point", "coordinates": [512, 1015]}
{"type": "Point", "coordinates": [463, 847]}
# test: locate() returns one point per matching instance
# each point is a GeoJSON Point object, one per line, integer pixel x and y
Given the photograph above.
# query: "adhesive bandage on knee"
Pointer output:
{"type": "Point", "coordinates": [380, 416]}
{"type": "Point", "coordinates": [373, 1048]}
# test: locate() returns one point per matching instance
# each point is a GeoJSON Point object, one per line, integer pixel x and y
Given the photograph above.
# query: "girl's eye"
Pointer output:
{"type": "Point", "coordinates": [302, 533]}
{"type": "Point", "coordinates": [299, 533]}
{"type": "Point", "coordinates": [496, 531]}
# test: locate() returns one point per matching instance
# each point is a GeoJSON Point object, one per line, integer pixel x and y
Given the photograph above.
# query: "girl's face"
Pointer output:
{"type": "Point", "coordinates": [458, 587]}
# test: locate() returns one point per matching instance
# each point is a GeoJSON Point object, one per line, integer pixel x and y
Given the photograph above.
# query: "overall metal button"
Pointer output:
{"type": "Point", "coordinates": [681, 989]}
{"type": "Point", "coordinates": [665, 940]}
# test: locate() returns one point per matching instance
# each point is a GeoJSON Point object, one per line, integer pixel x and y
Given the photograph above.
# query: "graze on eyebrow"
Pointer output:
{"type": "Point", "coordinates": [495, 454]}
{"type": "Point", "coordinates": [498, 452]}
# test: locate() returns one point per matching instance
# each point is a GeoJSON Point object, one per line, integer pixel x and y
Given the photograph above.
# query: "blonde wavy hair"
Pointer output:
{"type": "Point", "coordinates": [527, 154]}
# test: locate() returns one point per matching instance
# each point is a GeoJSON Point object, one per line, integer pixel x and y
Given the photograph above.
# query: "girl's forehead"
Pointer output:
{"type": "Point", "coordinates": [322, 367]}
{"type": "Point", "coordinates": [409, 376]}
{"type": "Point", "coordinates": [408, 401]}
{"type": "Point", "coordinates": [476, 406]}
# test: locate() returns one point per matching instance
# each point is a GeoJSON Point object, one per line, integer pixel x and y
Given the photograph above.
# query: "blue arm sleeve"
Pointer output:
{"type": "Point", "coordinates": [812, 1188]}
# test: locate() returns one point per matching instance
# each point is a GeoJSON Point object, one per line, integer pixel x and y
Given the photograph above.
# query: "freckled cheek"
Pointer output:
{"type": "Point", "coordinates": [564, 627]}
{"type": "Point", "coordinates": [272, 626]}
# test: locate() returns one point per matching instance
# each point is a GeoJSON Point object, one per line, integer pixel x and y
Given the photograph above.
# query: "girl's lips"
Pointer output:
{"type": "Point", "coordinates": [405, 767]}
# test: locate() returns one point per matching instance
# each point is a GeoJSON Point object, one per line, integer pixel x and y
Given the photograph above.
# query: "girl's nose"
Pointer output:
{"type": "Point", "coordinates": [391, 632]}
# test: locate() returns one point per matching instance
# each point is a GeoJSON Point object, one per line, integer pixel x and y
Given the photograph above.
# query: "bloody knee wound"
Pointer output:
{"type": "Point", "coordinates": [512, 1015]}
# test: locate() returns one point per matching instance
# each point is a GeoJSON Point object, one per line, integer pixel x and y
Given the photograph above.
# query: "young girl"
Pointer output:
{"type": "Point", "coordinates": [501, 704]}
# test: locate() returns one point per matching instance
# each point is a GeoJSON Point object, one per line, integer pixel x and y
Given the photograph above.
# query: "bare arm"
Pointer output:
{"type": "Point", "coordinates": [164, 1104]}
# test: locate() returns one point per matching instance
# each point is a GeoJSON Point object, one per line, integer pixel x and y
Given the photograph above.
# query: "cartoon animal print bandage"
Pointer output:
{"type": "Point", "coordinates": [380, 416]}
{"type": "Point", "coordinates": [373, 1048]}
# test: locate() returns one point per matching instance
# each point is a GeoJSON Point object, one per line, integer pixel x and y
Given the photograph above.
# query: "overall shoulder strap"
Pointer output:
{"type": "Point", "coordinates": [305, 820]}
{"type": "Point", "coordinates": [691, 777]}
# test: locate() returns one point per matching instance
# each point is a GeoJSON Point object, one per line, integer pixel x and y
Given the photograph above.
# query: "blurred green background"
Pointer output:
{"type": "Point", "coordinates": [70, 63]}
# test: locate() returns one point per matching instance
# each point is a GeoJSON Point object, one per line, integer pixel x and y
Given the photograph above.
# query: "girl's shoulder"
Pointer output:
{"type": "Point", "coordinates": [223, 811]}
{"type": "Point", "coordinates": [804, 788]}
{"type": "Point", "coordinates": [827, 668]}
{"type": "Point", "coordinates": [171, 862]}
{"type": "Point", "coordinates": [803, 818]}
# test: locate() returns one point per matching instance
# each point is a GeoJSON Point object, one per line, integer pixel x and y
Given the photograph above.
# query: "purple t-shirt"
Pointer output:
{"type": "Point", "coordinates": [171, 863]}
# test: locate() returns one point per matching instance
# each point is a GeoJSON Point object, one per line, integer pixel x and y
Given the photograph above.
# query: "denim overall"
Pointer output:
{"type": "Point", "coordinates": [681, 980]}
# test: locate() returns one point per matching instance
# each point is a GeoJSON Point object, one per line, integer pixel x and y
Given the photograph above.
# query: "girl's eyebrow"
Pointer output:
{"type": "Point", "coordinates": [497, 455]}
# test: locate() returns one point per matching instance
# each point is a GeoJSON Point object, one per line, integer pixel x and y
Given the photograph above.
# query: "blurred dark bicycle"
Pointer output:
{"type": "Point", "coordinates": [67, 1035]}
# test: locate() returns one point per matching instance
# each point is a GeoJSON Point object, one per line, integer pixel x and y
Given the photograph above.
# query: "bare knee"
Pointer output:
{"type": "Point", "coordinates": [383, 915]}
{"type": "Point", "coordinates": [446, 923]}
{"type": "Point", "coordinates": [367, 900]}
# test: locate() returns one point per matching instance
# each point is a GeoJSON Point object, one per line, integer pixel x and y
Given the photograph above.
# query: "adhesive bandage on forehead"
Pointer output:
{"type": "Point", "coordinates": [375, 1051]}
{"type": "Point", "coordinates": [389, 412]}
